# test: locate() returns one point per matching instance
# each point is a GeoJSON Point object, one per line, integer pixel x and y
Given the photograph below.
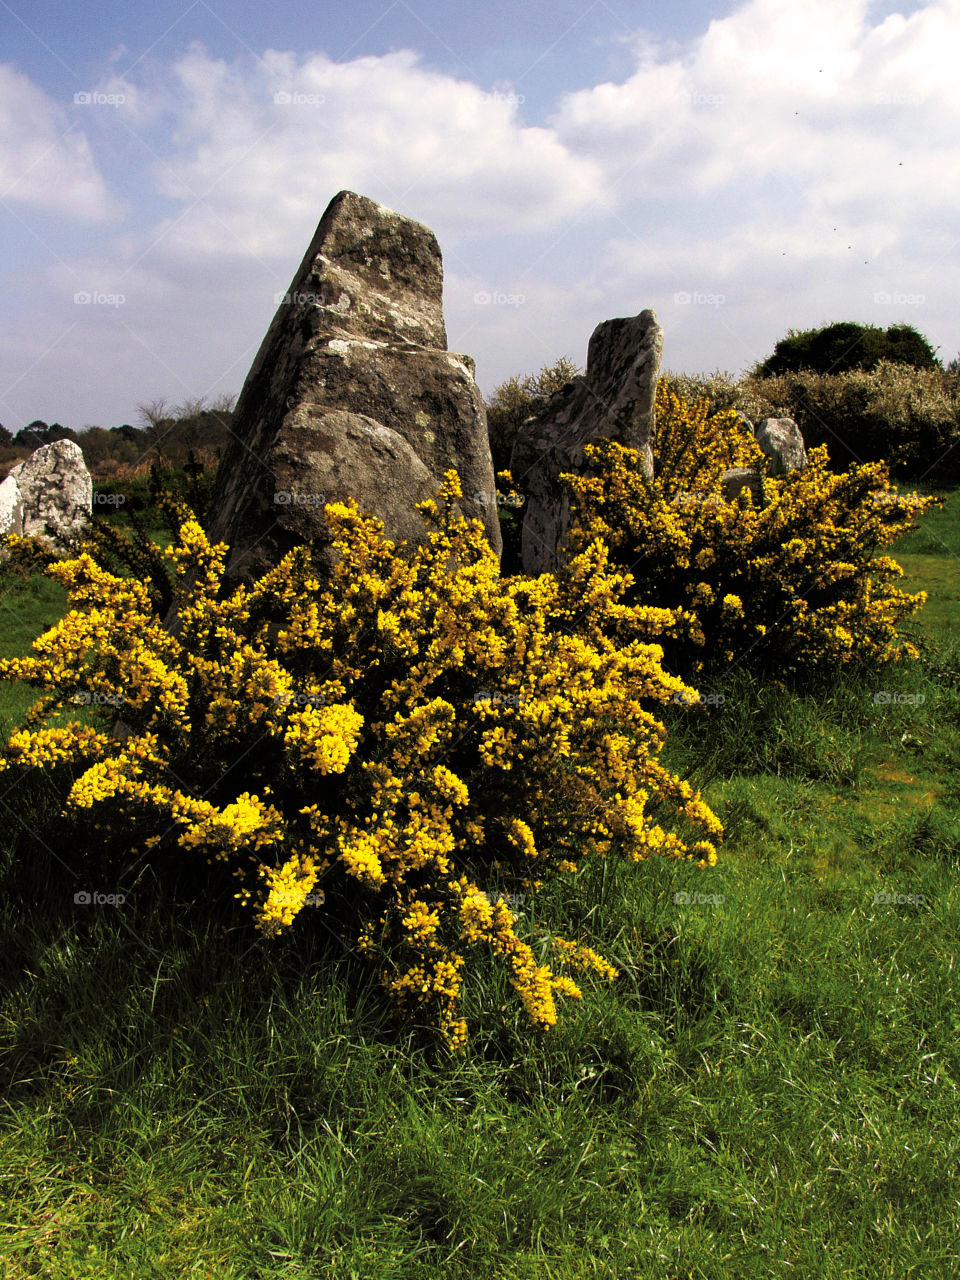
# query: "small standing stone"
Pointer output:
{"type": "Point", "coordinates": [614, 398]}
{"type": "Point", "coordinates": [781, 441]}
{"type": "Point", "coordinates": [56, 495]}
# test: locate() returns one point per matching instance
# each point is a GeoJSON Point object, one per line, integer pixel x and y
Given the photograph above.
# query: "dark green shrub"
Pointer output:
{"type": "Point", "coordinates": [907, 417]}
{"type": "Point", "coordinates": [839, 348]}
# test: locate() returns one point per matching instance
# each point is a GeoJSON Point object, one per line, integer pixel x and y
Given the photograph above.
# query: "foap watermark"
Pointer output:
{"type": "Point", "coordinates": [94, 298]}
{"type": "Point", "coordinates": [513, 901]}
{"type": "Point", "coordinates": [298, 299]}
{"type": "Point", "coordinates": [94, 98]}
{"type": "Point", "coordinates": [108, 499]}
{"type": "Point", "coordinates": [294, 498]}
{"type": "Point", "coordinates": [697, 98]}
{"type": "Point", "coordinates": [883, 298]}
{"type": "Point", "coordinates": [84, 898]}
{"type": "Point", "coordinates": [694, 298]}
{"type": "Point", "coordinates": [885, 899]}
{"type": "Point", "coordinates": [496, 298]}
{"type": "Point", "coordinates": [699, 699]}
{"type": "Point", "coordinates": [508, 97]}
{"type": "Point", "coordinates": [299, 700]}
{"type": "Point", "coordinates": [94, 698]}
{"type": "Point", "coordinates": [890, 698]}
{"type": "Point", "coordinates": [499, 699]}
{"type": "Point", "coordinates": [684, 899]}
{"type": "Point", "coordinates": [886, 499]}
{"type": "Point", "coordinates": [885, 98]}
{"type": "Point", "coordinates": [286, 98]}
{"type": "Point", "coordinates": [499, 499]}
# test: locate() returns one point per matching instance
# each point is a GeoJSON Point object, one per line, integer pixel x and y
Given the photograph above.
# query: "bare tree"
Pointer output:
{"type": "Point", "coordinates": [224, 403]}
{"type": "Point", "coordinates": [157, 418]}
{"type": "Point", "coordinates": [154, 412]}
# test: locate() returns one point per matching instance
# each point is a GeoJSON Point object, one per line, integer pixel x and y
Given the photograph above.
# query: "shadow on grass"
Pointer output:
{"type": "Point", "coordinates": [172, 967]}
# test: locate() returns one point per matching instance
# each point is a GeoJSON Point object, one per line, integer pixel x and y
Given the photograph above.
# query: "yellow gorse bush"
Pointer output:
{"type": "Point", "coordinates": [788, 584]}
{"type": "Point", "coordinates": [403, 742]}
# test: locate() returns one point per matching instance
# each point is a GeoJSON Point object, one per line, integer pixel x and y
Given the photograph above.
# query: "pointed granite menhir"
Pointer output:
{"type": "Point", "coordinates": [353, 393]}
{"type": "Point", "coordinates": [615, 398]}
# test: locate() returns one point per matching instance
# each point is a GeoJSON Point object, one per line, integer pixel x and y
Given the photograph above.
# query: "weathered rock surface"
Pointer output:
{"type": "Point", "coordinates": [11, 507]}
{"type": "Point", "coordinates": [352, 394]}
{"type": "Point", "coordinates": [734, 481]}
{"type": "Point", "coordinates": [781, 441]}
{"type": "Point", "coordinates": [55, 495]}
{"type": "Point", "coordinates": [613, 398]}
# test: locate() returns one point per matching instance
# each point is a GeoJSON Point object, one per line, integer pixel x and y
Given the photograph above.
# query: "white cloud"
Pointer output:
{"type": "Point", "coordinates": [795, 161]}
{"type": "Point", "coordinates": [260, 148]}
{"type": "Point", "coordinates": [45, 159]}
{"type": "Point", "coordinates": [811, 94]}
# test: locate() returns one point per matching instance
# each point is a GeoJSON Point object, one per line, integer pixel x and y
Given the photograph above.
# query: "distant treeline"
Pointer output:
{"type": "Point", "coordinates": [170, 437]}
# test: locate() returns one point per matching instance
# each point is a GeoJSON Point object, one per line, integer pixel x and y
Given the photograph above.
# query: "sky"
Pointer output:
{"type": "Point", "coordinates": [742, 168]}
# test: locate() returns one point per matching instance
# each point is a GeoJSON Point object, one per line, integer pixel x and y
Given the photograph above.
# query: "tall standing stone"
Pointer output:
{"type": "Point", "coordinates": [614, 398]}
{"type": "Point", "coordinates": [352, 394]}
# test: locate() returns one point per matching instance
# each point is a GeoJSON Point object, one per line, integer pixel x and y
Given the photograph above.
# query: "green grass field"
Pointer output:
{"type": "Point", "coordinates": [770, 1088]}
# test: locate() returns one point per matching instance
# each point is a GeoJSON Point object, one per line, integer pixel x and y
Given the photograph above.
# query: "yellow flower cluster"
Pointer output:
{"type": "Point", "coordinates": [792, 582]}
{"type": "Point", "coordinates": [440, 727]}
{"type": "Point", "coordinates": [582, 957]}
{"type": "Point", "coordinates": [287, 888]}
{"type": "Point", "coordinates": [324, 739]}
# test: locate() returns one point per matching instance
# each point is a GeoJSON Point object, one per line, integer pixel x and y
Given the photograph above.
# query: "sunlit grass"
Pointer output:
{"type": "Point", "coordinates": [771, 1087]}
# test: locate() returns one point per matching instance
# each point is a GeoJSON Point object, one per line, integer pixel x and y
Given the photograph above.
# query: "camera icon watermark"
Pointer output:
{"type": "Point", "coordinates": [496, 298]}
{"type": "Point", "coordinates": [699, 699]}
{"type": "Point", "coordinates": [883, 298]}
{"type": "Point", "coordinates": [497, 498]}
{"type": "Point", "coordinates": [297, 298]}
{"type": "Point", "coordinates": [696, 98]}
{"type": "Point", "coordinates": [294, 498]}
{"type": "Point", "coordinates": [886, 499]}
{"type": "Point", "coordinates": [298, 700]}
{"type": "Point", "coordinates": [89, 698]}
{"type": "Point", "coordinates": [513, 901]}
{"type": "Point", "coordinates": [286, 98]}
{"type": "Point", "coordinates": [885, 98]}
{"type": "Point", "coordinates": [684, 899]}
{"type": "Point", "coordinates": [883, 899]}
{"type": "Point", "coordinates": [695, 298]}
{"type": "Point", "coordinates": [886, 698]}
{"type": "Point", "coordinates": [94, 98]}
{"type": "Point", "coordinates": [86, 298]}
{"type": "Point", "coordinates": [509, 98]}
{"type": "Point", "coordinates": [498, 699]}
